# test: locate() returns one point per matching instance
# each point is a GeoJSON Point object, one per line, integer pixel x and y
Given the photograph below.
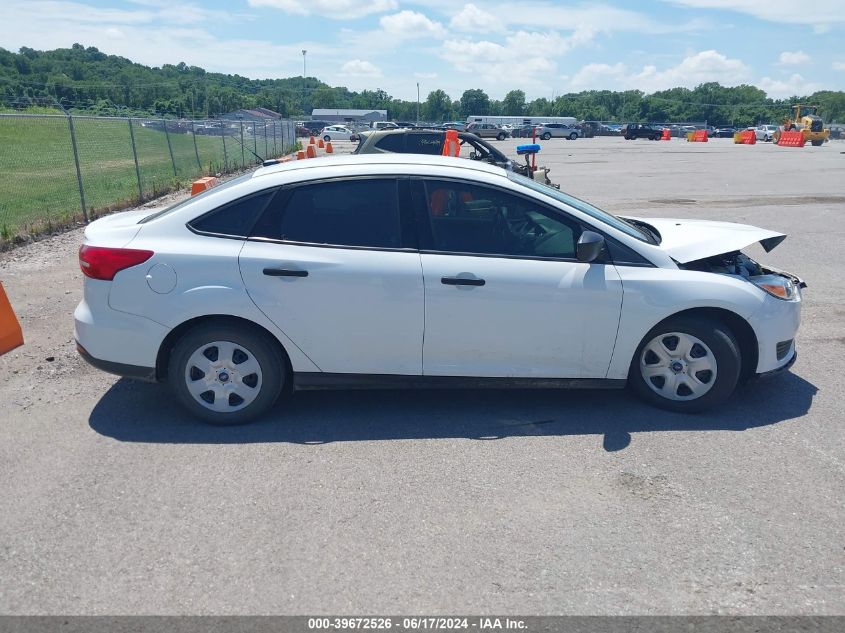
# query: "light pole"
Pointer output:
{"type": "Point", "coordinates": [303, 63]}
{"type": "Point", "coordinates": [418, 103]}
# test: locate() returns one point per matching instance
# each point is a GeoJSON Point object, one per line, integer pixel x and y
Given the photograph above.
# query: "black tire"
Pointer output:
{"type": "Point", "coordinates": [573, 136]}
{"type": "Point", "coordinates": [629, 138]}
{"type": "Point", "coordinates": [817, 143]}
{"type": "Point", "coordinates": [501, 136]}
{"type": "Point", "coordinates": [327, 138]}
{"type": "Point", "coordinates": [264, 350]}
{"type": "Point", "coordinates": [715, 335]}
{"type": "Point", "coordinates": [546, 136]}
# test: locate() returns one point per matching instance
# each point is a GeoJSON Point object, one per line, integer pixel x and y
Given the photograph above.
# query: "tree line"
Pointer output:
{"type": "Point", "coordinates": [86, 80]}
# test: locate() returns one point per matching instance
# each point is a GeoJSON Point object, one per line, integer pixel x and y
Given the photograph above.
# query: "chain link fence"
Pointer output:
{"type": "Point", "coordinates": [58, 170]}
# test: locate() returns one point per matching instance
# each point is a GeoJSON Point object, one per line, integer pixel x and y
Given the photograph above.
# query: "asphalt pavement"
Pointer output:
{"type": "Point", "coordinates": [114, 501]}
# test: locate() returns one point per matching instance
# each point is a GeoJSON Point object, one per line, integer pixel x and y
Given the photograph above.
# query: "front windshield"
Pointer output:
{"type": "Point", "coordinates": [585, 207]}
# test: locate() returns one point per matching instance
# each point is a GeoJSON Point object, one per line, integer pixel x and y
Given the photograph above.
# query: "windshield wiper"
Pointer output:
{"type": "Point", "coordinates": [649, 231]}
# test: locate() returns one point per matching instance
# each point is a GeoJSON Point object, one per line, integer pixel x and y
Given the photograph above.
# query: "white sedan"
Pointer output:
{"type": "Point", "coordinates": [408, 270]}
{"type": "Point", "coordinates": [338, 133]}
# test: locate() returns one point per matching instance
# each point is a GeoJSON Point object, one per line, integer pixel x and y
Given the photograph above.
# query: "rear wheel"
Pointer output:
{"type": "Point", "coordinates": [501, 136]}
{"type": "Point", "coordinates": [686, 364]}
{"type": "Point", "coordinates": [547, 136]}
{"type": "Point", "coordinates": [817, 143]}
{"type": "Point", "coordinates": [573, 136]}
{"type": "Point", "coordinates": [327, 138]}
{"type": "Point", "coordinates": [226, 374]}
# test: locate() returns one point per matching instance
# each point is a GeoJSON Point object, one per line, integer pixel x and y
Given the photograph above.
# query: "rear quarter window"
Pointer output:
{"type": "Point", "coordinates": [391, 143]}
{"type": "Point", "coordinates": [235, 219]}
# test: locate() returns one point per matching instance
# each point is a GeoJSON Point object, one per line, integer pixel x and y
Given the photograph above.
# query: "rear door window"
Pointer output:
{"type": "Point", "coordinates": [361, 212]}
{"type": "Point", "coordinates": [391, 143]}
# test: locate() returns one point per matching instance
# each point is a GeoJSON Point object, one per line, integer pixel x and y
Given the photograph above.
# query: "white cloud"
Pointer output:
{"type": "Point", "coordinates": [795, 85]}
{"type": "Point", "coordinates": [693, 70]}
{"type": "Point", "coordinates": [153, 38]}
{"type": "Point", "coordinates": [410, 24]}
{"type": "Point", "coordinates": [525, 58]}
{"type": "Point", "coordinates": [598, 76]}
{"type": "Point", "coordinates": [818, 14]}
{"type": "Point", "coordinates": [838, 66]}
{"type": "Point", "coordinates": [795, 58]}
{"type": "Point", "coordinates": [360, 68]}
{"type": "Point", "coordinates": [473, 19]}
{"type": "Point", "coordinates": [335, 9]}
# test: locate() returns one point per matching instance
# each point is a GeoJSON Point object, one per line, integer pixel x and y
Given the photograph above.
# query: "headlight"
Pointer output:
{"type": "Point", "coordinates": [777, 286]}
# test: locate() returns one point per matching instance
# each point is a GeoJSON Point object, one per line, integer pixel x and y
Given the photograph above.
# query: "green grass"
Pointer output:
{"type": "Point", "coordinates": [38, 183]}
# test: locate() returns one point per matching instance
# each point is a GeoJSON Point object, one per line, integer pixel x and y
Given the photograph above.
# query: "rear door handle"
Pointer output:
{"type": "Point", "coordinates": [285, 272]}
{"type": "Point", "coordinates": [461, 281]}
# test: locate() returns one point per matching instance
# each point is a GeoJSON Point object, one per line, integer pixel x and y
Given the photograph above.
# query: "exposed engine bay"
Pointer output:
{"type": "Point", "coordinates": [737, 263]}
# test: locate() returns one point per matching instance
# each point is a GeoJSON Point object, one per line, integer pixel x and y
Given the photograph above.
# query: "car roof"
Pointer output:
{"type": "Point", "coordinates": [358, 160]}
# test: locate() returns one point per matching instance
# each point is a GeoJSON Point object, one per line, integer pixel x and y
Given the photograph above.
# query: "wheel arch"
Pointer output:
{"type": "Point", "coordinates": [741, 329]}
{"type": "Point", "coordinates": [169, 342]}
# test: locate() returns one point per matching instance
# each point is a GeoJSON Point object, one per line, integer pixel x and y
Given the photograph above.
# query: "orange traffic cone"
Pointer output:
{"type": "Point", "coordinates": [329, 148]}
{"type": "Point", "coordinates": [300, 155]}
{"type": "Point", "coordinates": [451, 146]}
{"type": "Point", "coordinates": [310, 152]}
{"type": "Point", "coordinates": [320, 143]}
{"type": "Point", "coordinates": [11, 335]}
{"type": "Point", "coordinates": [312, 141]}
{"type": "Point", "coordinates": [667, 135]}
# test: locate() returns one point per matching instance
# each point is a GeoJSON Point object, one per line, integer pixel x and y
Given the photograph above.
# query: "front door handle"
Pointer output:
{"type": "Point", "coordinates": [461, 281]}
{"type": "Point", "coordinates": [285, 272]}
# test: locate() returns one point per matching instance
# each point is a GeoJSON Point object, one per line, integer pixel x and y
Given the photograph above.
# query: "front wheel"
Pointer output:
{"type": "Point", "coordinates": [500, 137]}
{"type": "Point", "coordinates": [817, 143]}
{"type": "Point", "coordinates": [226, 374]}
{"type": "Point", "coordinates": [573, 136]}
{"type": "Point", "coordinates": [327, 138]}
{"type": "Point", "coordinates": [547, 136]}
{"type": "Point", "coordinates": [686, 364]}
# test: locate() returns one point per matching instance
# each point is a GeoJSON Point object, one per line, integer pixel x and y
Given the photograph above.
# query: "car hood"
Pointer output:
{"type": "Point", "coordinates": [690, 240]}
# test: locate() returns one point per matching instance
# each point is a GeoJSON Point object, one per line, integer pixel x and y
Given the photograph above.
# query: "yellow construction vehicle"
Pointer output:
{"type": "Point", "coordinates": [805, 119]}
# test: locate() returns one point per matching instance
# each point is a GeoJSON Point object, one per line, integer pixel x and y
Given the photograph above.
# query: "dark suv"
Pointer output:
{"type": "Point", "coordinates": [422, 141]}
{"type": "Point", "coordinates": [641, 130]}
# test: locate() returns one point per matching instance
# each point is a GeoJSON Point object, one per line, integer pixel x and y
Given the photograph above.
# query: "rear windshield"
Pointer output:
{"type": "Point", "coordinates": [186, 201]}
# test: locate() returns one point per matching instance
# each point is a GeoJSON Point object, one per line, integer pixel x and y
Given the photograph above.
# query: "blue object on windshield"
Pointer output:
{"type": "Point", "coordinates": [531, 148]}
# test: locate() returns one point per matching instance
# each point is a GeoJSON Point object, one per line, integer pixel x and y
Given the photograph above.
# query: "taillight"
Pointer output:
{"type": "Point", "coordinates": [98, 262]}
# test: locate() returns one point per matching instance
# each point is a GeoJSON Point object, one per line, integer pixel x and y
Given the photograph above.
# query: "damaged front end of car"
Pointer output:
{"type": "Point", "coordinates": [778, 283]}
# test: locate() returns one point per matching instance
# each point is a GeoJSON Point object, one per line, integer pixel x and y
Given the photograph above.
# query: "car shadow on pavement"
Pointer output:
{"type": "Point", "coordinates": [141, 412]}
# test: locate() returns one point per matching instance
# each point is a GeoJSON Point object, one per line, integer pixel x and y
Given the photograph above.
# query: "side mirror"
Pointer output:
{"type": "Point", "coordinates": [589, 246]}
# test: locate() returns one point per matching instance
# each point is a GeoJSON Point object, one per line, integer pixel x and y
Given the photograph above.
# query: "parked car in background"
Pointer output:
{"type": "Point", "coordinates": [488, 130]}
{"type": "Point", "coordinates": [405, 124]}
{"type": "Point", "coordinates": [641, 130]}
{"type": "Point", "coordinates": [764, 132]}
{"type": "Point", "coordinates": [386, 271]}
{"type": "Point", "coordinates": [524, 131]}
{"type": "Point", "coordinates": [460, 126]}
{"type": "Point", "coordinates": [420, 141]}
{"type": "Point", "coordinates": [559, 130]}
{"type": "Point", "coordinates": [338, 133]}
{"type": "Point", "coordinates": [724, 132]}
{"type": "Point", "coordinates": [314, 127]}
{"type": "Point", "coordinates": [383, 125]}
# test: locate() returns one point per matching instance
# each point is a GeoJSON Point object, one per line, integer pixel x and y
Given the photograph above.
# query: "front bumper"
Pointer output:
{"type": "Point", "coordinates": [781, 369]}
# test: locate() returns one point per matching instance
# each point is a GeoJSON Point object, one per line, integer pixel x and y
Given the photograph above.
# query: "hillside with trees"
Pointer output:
{"type": "Point", "coordinates": [86, 80]}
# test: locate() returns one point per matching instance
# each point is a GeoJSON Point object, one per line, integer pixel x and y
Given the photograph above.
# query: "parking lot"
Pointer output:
{"type": "Point", "coordinates": [532, 502]}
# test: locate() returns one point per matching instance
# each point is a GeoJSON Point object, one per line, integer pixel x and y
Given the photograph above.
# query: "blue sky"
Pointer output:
{"type": "Point", "coordinates": [545, 48]}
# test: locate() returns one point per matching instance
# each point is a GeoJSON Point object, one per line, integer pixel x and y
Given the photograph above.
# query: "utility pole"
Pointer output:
{"type": "Point", "coordinates": [418, 103]}
{"type": "Point", "coordinates": [303, 63]}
